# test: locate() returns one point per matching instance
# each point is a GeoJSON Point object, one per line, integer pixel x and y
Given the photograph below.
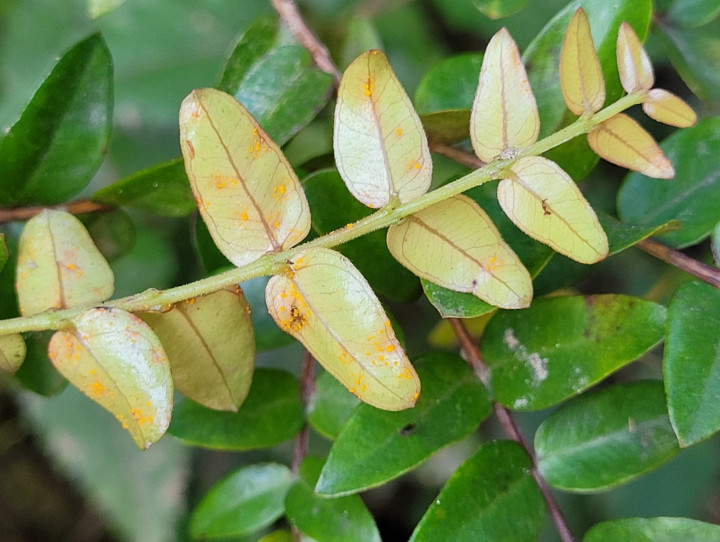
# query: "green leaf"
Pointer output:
{"type": "Point", "coordinates": [653, 530]}
{"type": "Point", "coordinates": [691, 362]}
{"type": "Point", "coordinates": [693, 13]}
{"type": "Point", "coordinates": [276, 79]}
{"type": "Point", "coordinates": [98, 8]}
{"type": "Point", "coordinates": [271, 414]}
{"type": "Point", "coordinates": [247, 500]}
{"type": "Point", "coordinates": [344, 519]}
{"type": "Point", "coordinates": [12, 352]}
{"type": "Point", "coordinates": [561, 346]}
{"type": "Point", "coordinates": [692, 197]}
{"type": "Point", "coordinates": [375, 446]}
{"type": "Point", "coordinates": [359, 36]}
{"type": "Point", "coordinates": [606, 438]}
{"type": "Point", "coordinates": [54, 149]}
{"type": "Point", "coordinates": [497, 9]}
{"type": "Point", "coordinates": [491, 496]}
{"type": "Point", "coordinates": [4, 254]}
{"type": "Point", "coordinates": [447, 127]}
{"type": "Point", "coordinates": [162, 189]}
{"type": "Point", "coordinates": [449, 85]}
{"type": "Point", "coordinates": [36, 373]}
{"type": "Point", "coordinates": [113, 233]}
{"type": "Point", "coordinates": [330, 405]}
{"type": "Point", "coordinates": [715, 244]}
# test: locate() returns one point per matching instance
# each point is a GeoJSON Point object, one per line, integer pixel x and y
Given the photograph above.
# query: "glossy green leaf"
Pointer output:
{"type": "Point", "coordinates": [330, 405]}
{"type": "Point", "coordinates": [449, 85]}
{"type": "Point", "coordinates": [161, 189]}
{"type": "Point", "coordinates": [561, 346]}
{"type": "Point", "coordinates": [634, 66]}
{"type": "Point", "coordinates": [692, 197]}
{"type": "Point", "coordinates": [359, 348]}
{"type": "Point", "coordinates": [276, 79]}
{"type": "Point", "coordinates": [343, 519]}
{"type": "Point", "coordinates": [114, 358]}
{"type": "Point", "coordinates": [380, 146]}
{"type": "Point", "coordinates": [12, 352]}
{"type": "Point", "coordinates": [693, 13]}
{"type": "Point", "coordinates": [210, 344]}
{"type": "Point", "coordinates": [664, 106]}
{"type": "Point", "coordinates": [59, 266]}
{"type": "Point", "coordinates": [246, 190]}
{"type": "Point", "coordinates": [375, 446]}
{"type": "Point", "coordinates": [455, 244]}
{"type": "Point", "coordinates": [606, 438]}
{"type": "Point", "coordinates": [653, 530]}
{"type": "Point", "coordinates": [247, 500]}
{"type": "Point", "coordinates": [54, 149]}
{"type": "Point", "coordinates": [691, 362]}
{"type": "Point", "coordinates": [491, 496]}
{"type": "Point", "coordinates": [497, 9]}
{"type": "Point", "coordinates": [271, 414]}
{"type": "Point", "coordinates": [36, 373]}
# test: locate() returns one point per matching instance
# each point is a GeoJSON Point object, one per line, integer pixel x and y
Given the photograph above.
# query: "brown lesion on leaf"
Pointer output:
{"type": "Point", "coordinates": [545, 208]}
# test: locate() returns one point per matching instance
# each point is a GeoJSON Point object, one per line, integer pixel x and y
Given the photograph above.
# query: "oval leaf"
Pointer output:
{"type": "Point", "coordinates": [328, 306]}
{"type": "Point", "coordinates": [653, 530]}
{"type": "Point", "coordinates": [544, 202]}
{"type": "Point", "coordinates": [455, 244]}
{"type": "Point", "coordinates": [664, 106]}
{"type": "Point", "coordinates": [504, 114]}
{"type": "Point", "coordinates": [12, 352]}
{"type": "Point", "coordinates": [624, 142]}
{"type": "Point", "coordinates": [634, 66]}
{"type": "Point", "coordinates": [380, 146]}
{"type": "Point", "coordinates": [581, 78]}
{"type": "Point", "coordinates": [247, 192]}
{"type": "Point", "coordinates": [210, 343]}
{"type": "Point", "coordinates": [59, 266]}
{"type": "Point", "coordinates": [114, 358]}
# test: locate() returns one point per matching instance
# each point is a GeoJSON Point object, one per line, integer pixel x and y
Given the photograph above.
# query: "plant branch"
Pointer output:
{"type": "Point", "coordinates": [511, 428]}
{"type": "Point", "coordinates": [459, 156]}
{"type": "Point", "coordinates": [677, 259]}
{"type": "Point", "coordinates": [75, 207]}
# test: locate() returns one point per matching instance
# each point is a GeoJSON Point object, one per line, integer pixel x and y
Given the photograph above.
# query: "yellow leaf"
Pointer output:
{"type": "Point", "coordinates": [455, 244]}
{"type": "Point", "coordinates": [247, 192]}
{"type": "Point", "coordinates": [664, 106]}
{"type": "Point", "coordinates": [326, 304]}
{"type": "Point", "coordinates": [504, 115]}
{"type": "Point", "coordinates": [210, 343]}
{"type": "Point", "coordinates": [581, 77]}
{"type": "Point", "coordinates": [624, 142]}
{"type": "Point", "coordinates": [634, 66]}
{"type": "Point", "coordinates": [115, 359]}
{"type": "Point", "coordinates": [380, 146]}
{"type": "Point", "coordinates": [12, 352]}
{"type": "Point", "coordinates": [544, 202]}
{"type": "Point", "coordinates": [59, 266]}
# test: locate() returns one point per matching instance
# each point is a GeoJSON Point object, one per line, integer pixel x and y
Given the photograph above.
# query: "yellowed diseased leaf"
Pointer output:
{"type": "Point", "coordinates": [115, 359]}
{"type": "Point", "coordinates": [544, 202]}
{"type": "Point", "coordinates": [326, 304]}
{"type": "Point", "coordinates": [581, 77]}
{"type": "Point", "coordinates": [624, 142]}
{"type": "Point", "coordinates": [455, 244]}
{"type": "Point", "coordinates": [12, 352]}
{"type": "Point", "coordinates": [634, 66]}
{"type": "Point", "coordinates": [504, 115]}
{"type": "Point", "coordinates": [59, 266]}
{"type": "Point", "coordinates": [210, 343]}
{"type": "Point", "coordinates": [380, 146]}
{"type": "Point", "coordinates": [247, 192]}
{"type": "Point", "coordinates": [664, 106]}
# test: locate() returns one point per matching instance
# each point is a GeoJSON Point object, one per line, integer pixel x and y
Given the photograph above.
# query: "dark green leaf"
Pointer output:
{"type": "Point", "coordinates": [211, 259]}
{"type": "Point", "coordinates": [375, 446]}
{"type": "Point", "coordinates": [9, 307]}
{"type": "Point", "coordinates": [4, 255]}
{"type": "Point", "coordinates": [113, 233]}
{"type": "Point", "coordinates": [271, 414]}
{"type": "Point", "coordinates": [653, 530]}
{"type": "Point", "coordinates": [330, 405]}
{"type": "Point", "coordinates": [449, 85]}
{"type": "Point", "coordinates": [37, 373]}
{"type": "Point", "coordinates": [163, 189]}
{"type": "Point", "coordinates": [54, 149]}
{"type": "Point", "coordinates": [497, 9]}
{"type": "Point", "coordinates": [446, 127]}
{"type": "Point", "coordinates": [246, 501]}
{"type": "Point", "coordinates": [561, 346]}
{"type": "Point", "coordinates": [492, 496]}
{"type": "Point", "coordinates": [692, 360]}
{"type": "Point", "coordinates": [692, 197]}
{"type": "Point", "coordinates": [605, 438]}
{"type": "Point", "coordinates": [692, 13]}
{"type": "Point", "coordinates": [344, 519]}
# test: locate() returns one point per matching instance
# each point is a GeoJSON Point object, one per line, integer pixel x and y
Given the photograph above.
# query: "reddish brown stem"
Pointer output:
{"type": "Point", "coordinates": [307, 387]}
{"type": "Point", "coordinates": [459, 156]}
{"type": "Point", "coordinates": [74, 207]}
{"type": "Point", "coordinates": [677, 259]}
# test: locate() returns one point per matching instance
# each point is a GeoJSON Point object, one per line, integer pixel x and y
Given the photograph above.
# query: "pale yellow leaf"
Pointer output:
{"type": "Point", "coordinates": [380, 146]}
{"type": "Point", "coordinates": [59, 266]}
{"type": "Point", "coordinates": [247, 192]}
{"type": "Point", "coordinates": [326, 304]}
{"type": "Point", "coordinates": [544, 202]}
{"type": "Point", "coordinates": [664, 106]}
{"type": "Point", "coordinates": [455, 244]}
{"type": "Point", "coordinates": [504, 115]}
{"type": "Point", "coordinates": [634, 66]}
{"type": "Point", "coordinates": [624, 142]}
{"type": "Point", "coordinates": [12, 352]}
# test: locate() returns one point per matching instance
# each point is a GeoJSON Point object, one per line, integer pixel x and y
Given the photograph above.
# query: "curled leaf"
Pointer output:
{"type": "Point", "coordinates": [115, 359]}
{"type": "Point", "coordinates": [380, 146]}
{"type": "Point", "coordinates": [12, 352]}
{"type": "Point", "coordinates": [247, 192]}
{"type": "Point", "coordinates": [504, 114]}
{"type": "Point", "coordinates": [634, 66]}
{"type": "Point", "coordinates": [59, 266]}
{"type": "Point", "coordinates": [624, 142]}
{"type": "Point", "coordinates": [664, 106]}
{"type": "Point", "coordinates": [326, 304]}
{"type": "Point", "coordinates": [544, 202]}
{"type": "Point", "coordinates": [455, 244]}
